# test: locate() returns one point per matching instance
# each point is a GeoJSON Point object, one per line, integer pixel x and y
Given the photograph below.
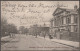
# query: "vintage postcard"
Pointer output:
{"type": "Point", "coordinates": [39, 25]}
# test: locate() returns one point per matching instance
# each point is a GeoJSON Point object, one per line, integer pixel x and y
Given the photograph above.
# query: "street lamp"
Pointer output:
{"type": "Point", "coordinates": [36, 30]}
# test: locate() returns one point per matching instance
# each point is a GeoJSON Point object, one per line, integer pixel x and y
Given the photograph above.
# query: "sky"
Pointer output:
{"type": "Point", "coordinates": [27, 13]}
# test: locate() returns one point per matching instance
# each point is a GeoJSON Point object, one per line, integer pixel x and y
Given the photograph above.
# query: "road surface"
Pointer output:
{"type": "Point", "coordinates": [29, 42]}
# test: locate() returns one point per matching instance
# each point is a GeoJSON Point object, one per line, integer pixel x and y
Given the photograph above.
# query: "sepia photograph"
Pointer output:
{"type": "Point", "coordinates": [40, 25]}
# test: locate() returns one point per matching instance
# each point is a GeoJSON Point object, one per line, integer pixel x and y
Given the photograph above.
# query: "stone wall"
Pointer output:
{"type": "Point", "coordinates": [65, 35]}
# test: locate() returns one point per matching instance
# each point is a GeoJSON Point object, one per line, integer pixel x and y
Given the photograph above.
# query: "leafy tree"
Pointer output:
{"type": "Point", "coordinates": [6, 28]}
{"type": "Point", "coordinates": [26, 30]}
{"type": "Point", "coordinates": [12, 28]}
{"type": "Point", "coordinates": [23, 29]}
{"type": "Point", "coordinates": [4, 25]}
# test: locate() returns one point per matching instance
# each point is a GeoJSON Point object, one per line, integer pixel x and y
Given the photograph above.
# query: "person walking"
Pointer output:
{"type": "Point", "coordinates": [50, 37]}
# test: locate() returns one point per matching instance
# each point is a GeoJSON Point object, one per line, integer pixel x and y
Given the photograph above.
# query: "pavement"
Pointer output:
{"type": "Point", "coordinates": [29, 42]}
{"type": "Point", "coordinates": [65, 42]}
{"type": "Point", "coordinates": [6, 38]}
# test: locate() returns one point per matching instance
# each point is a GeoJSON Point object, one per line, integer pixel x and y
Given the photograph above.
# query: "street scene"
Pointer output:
{"type": "Point", "coordinates": [40, 25]}
{"type": "Point", "coordinates": [29, 42]}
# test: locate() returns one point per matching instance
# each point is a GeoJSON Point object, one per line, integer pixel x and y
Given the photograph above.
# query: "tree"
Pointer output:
{"type": "Point", "coordinates": [3, 26]}
{"type": "Point", "coordinates": [6, 28]}
{"type": "Point", "coordinates": [35, 30]}
{"type": "Point", "coordinates": [23, 29]}
{"type": "Point", "coordinates": [26, 30]}
{"type": "Point", "coordinates": [12, 28]}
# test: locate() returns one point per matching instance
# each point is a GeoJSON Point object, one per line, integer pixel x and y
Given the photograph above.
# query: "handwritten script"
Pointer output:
{"type": "Point", "coordinates": [29, 11]}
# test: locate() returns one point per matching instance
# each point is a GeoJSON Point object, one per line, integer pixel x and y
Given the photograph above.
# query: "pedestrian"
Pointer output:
{"type": "Point", "coordinates": [50, 37]}
{"type": "Point", "coordinates": [10, 35]}
{"type": "Point", "coordinates": [44, 36]}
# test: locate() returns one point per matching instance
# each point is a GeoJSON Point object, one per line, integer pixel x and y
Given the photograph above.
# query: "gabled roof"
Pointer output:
{"type": "Point", "coordinates": [72, 11]}
{"type": "Point", "coordinates": [61, 9]}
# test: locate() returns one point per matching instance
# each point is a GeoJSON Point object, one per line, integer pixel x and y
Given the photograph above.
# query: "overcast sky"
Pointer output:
{"type": "Point", "coordinates": [27, 13]}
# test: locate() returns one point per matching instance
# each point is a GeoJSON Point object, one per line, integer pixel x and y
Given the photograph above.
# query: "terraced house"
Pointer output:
{"type": "Point", "coordinates": [65, 23]}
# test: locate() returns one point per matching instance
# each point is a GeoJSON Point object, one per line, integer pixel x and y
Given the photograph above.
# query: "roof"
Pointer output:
{"type": "Point", "coordinates": [72, 11]}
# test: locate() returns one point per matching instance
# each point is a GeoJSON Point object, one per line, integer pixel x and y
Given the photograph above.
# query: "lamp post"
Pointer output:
{"type": "Point", "coordinates": [36, 30]}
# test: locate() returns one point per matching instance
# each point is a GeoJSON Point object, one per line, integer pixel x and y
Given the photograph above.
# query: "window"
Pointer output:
{"type": "Point", "coordinates": [61, 20]}
{"type": "Point", "coordinates": [76, 19]}
{"type": "Point", "coordinates": [55, 22]}
{"type": "Point", "coordinates": [68, 19]}
{"type": "Point", "coordinates": [69, 28]}
{"type": "Point", "coordinates": [75, 28]}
